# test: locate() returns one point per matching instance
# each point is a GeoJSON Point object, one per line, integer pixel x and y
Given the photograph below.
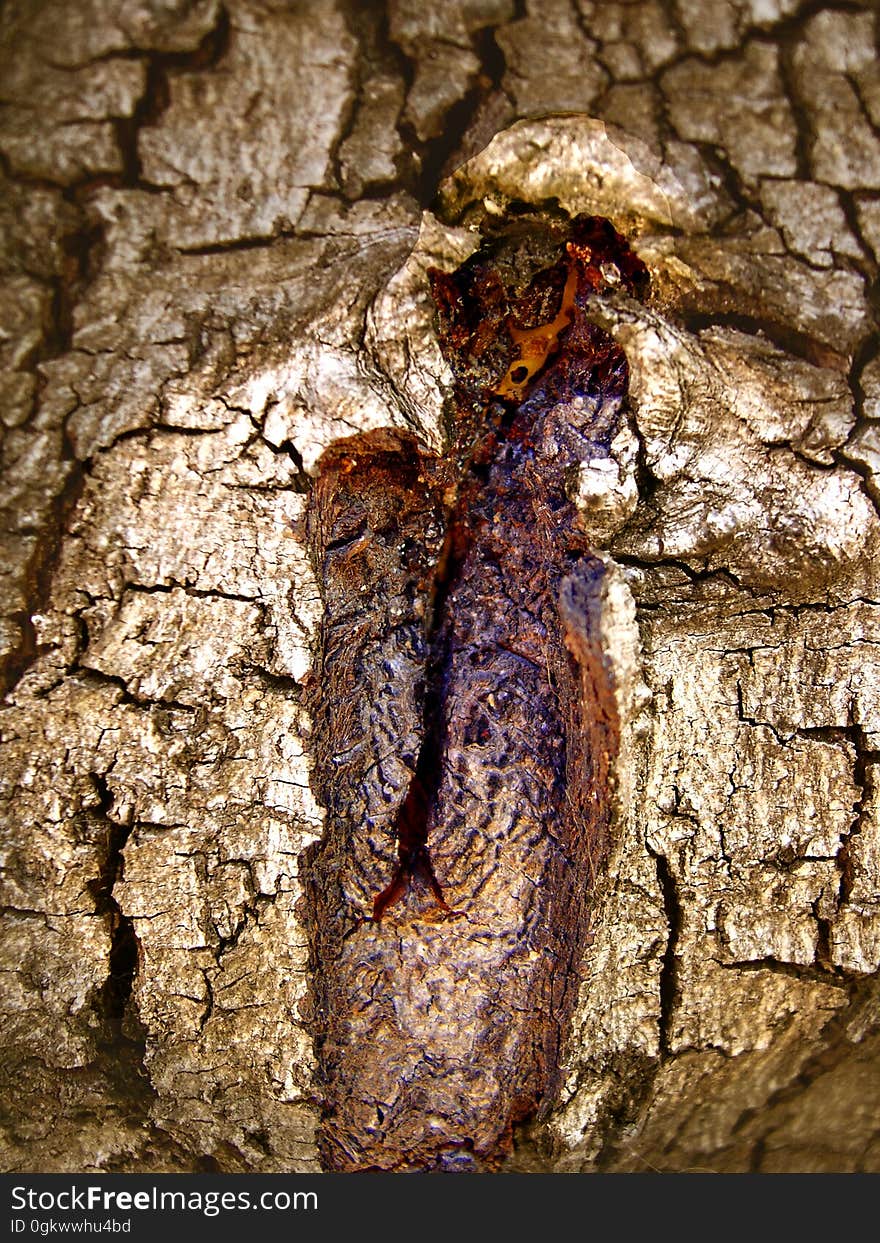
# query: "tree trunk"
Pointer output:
{"type": "Point", "coordinates": [219, 223]}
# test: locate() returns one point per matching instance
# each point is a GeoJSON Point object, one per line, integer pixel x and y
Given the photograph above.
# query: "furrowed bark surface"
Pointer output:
{"type": "Point", "coordinates": [218, 225]}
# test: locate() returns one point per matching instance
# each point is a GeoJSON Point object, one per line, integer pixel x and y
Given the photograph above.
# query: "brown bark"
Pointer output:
{"type": "Point", "coordinates": [218, 223]}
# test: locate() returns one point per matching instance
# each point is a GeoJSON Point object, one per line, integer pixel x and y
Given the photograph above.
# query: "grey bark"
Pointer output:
{"type": "Point", "coordinates": [217, 222]}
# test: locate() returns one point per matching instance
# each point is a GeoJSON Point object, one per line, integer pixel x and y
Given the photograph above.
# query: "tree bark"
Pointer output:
{"type": "Point", "coordinates": [219, 221]}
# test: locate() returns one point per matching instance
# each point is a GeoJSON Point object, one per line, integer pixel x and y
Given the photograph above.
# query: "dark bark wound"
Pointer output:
{"type": "Point", "coordinates": [464, 721]}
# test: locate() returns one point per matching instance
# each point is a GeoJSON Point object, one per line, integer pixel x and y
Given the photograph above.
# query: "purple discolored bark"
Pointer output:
{"type": "Point", "coordinates": [465, 726]}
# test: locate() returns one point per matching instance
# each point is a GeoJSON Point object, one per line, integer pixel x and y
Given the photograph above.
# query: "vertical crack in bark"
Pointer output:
{"type": "Point", "coordinates": [152, 104]}
{"type": "Point", "coordinates": [433, 157]}
{"type": "Point", "coordinates": [38, 576]}
{"type": "Point", "coordinates": [441, 154]}
{"type": "Point", "coordinates": [75, 272]}
{"type": "Point", "coordinates": [123, 1048]}
{"type": "Point", "coordinates": [464, 719]}
{"type": "Point", "coordinates": [414, 868]}
{"type": "Point", "coordinates": [669, 968]}
{"type": "Point", "coordinates": [865, 760]}
{"type": "Point", "coordinates": [865, 355]}
{"type": "Point", "coordinates": [123, 948]}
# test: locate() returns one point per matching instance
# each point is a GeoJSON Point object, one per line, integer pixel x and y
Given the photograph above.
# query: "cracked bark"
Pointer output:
{"type": "Point", "coordinates": [218, 221]}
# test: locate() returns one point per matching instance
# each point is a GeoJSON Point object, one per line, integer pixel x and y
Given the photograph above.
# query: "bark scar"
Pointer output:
{"type": "Point", "coordinates": [465, 726]}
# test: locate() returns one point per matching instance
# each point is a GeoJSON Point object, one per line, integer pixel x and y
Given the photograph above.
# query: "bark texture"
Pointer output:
{"type": "Point", "coordinates": [218, 221]}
